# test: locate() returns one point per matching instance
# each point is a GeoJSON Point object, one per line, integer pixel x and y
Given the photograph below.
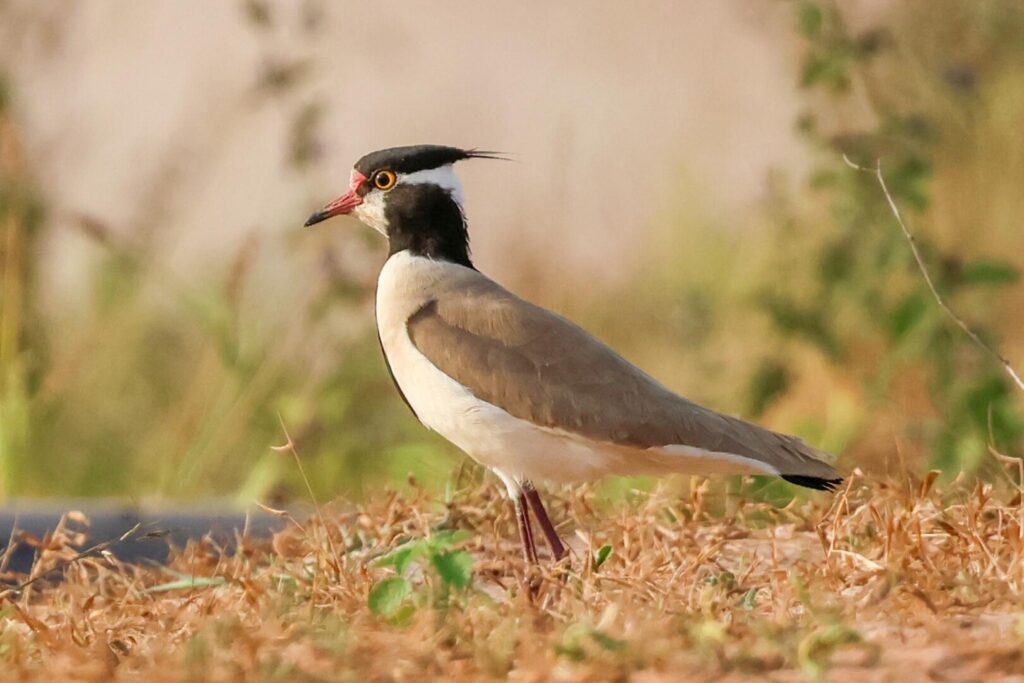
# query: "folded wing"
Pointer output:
{"type": "Point", "coordinates": [540, 367]}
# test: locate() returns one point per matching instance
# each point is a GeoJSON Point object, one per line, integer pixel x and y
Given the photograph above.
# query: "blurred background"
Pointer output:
{"type": "Point", "coordinates": [678, 188]}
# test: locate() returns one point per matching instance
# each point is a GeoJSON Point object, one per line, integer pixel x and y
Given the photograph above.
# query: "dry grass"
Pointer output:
{"type": "Point", "coordinates": [882, 581]}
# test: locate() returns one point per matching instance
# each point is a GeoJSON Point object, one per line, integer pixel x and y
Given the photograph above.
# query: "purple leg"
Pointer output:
{"type": "Point", "coordinates": [533, 498]}
{"type": "Point", "coordinates": [525, 530]}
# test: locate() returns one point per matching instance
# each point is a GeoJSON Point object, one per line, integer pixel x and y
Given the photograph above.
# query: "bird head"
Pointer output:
{"type": "Point", "coordinates": [412, 196]}
{"type": "Point", "coordinates": [399, 180]}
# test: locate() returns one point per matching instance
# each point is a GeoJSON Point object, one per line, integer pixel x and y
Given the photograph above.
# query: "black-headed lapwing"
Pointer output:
{"type": "Point", "coordinates": [522, 390]}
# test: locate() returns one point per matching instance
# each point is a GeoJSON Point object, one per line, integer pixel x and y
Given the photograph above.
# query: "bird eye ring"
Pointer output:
{"type": "Point", "coordinates": [384, 180]}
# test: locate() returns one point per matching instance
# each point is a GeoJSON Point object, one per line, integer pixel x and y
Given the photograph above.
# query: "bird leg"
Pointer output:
{"type": "Point", "coordinates": [525, 530]}
{"type": "Point", "coordinates": [533, 498]}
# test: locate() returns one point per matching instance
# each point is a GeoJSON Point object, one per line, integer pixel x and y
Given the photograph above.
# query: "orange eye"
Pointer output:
{"type": "Point", "coordinates": [384, 180]}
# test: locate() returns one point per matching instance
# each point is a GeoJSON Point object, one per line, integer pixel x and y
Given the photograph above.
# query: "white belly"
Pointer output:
{"type": "Point", "coordinates": [488, 434]}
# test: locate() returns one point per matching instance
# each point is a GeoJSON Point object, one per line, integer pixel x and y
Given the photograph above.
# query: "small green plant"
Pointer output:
{"type": "Point", "coordinates": [601, 556]}
{"type": "Point", "coordinates": [394, 597]}
{"type": "Point", "coordinates": [387, 595]}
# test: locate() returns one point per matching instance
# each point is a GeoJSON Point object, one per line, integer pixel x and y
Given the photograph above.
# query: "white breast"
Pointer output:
{"type": "Point", "coordinates": [488, 434]}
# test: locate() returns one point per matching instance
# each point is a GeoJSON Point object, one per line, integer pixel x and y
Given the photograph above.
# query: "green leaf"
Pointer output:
{"type": "Point", "coordinates": [769, 382]}
{"type": "Point", "coordinates": [990, 272]}
{"type": "Point", "coordinates": [809, 322]}
{"type": "Point", "coordinates": [403, 614]}
{"type": "Point", "coordinates": [602, 554]}
{"type": "Point", "coordinates": [387, 595]}
{"type": "Point", "coordinates": [446, 538]}
{"type": "Point", "coordinates": [829, 69]}
{"type": "Point", "coordinates": [572, 645]}
{"type": "Point", "coordinates": [750, 599]}
{"type": "Point", "coordinates": [186, 583]}
{"type": "Point", "coordinates": [571, 650]}
{"type": "Point", "coordinates": [402, 556]}
{"type": "Point", "coordinates": [606, 642]}
{"type": "Point", "coordinates": [455, 568]}
{"type": "Point", "coordinates": [810, 19]}
{"type": "Point", "coordinates": [908, 180]}
{"type": "Point", "coordinates": [907, 314]}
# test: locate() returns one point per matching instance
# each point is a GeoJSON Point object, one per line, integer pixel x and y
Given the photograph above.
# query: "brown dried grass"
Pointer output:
{"type": "Point", "coordinates": [881, 581]}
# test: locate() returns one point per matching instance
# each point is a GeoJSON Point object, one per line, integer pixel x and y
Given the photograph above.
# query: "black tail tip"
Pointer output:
{"type": "Point", "coordinates": [817, 483]}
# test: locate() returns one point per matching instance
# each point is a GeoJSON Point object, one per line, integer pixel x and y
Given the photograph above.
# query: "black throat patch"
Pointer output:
{"type": "Point", "coordinates": [425, 220]}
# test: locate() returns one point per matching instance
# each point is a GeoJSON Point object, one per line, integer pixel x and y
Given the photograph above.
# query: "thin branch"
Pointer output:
{"type": "Point", "coordinates": [289, 447]}
{"type": "Point", "coordinates": [1014, 375]}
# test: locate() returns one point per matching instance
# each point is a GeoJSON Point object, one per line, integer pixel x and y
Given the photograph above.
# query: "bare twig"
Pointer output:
{"type": "Point", "coordinates": [289, 447]}
{"type": "Point", "coordinates": [1014, 375]}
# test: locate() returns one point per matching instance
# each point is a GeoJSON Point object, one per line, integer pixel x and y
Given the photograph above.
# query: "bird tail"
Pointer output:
{"type": "Point", "coordinates": [817, 483]}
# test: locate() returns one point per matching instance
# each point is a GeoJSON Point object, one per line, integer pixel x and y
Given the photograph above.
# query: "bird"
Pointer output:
{"type": "Point", "coordinates": [522, 390]}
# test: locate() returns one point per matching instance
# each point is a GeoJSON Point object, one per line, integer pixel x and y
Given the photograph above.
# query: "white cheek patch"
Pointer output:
{"type": "Point", "coordinates": [371, 211]}
{"type": "Point", "coordinates": [442, 176]}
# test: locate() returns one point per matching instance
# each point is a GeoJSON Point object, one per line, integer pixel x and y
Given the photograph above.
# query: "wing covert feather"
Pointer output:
{"type": "Point", "coordinates": [540, 367]}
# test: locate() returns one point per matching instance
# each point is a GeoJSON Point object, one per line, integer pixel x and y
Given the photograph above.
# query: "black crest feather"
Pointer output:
{"type": "Point", "coordinates": [419, 158]}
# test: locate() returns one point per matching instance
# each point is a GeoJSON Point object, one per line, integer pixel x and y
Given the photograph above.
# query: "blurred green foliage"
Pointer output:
{"type": "Point", "coordinates": [815, 319]}
{"type": "Point", "coordinates": [821, 322]}
{"type": "Point", "coordinates": [927, 108]}
{"type": "Point", "coordinates": [157, 385]}
{"type": "Point", "coordinates": [21, 218]}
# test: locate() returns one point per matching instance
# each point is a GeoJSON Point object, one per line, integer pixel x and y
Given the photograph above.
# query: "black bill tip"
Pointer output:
{"type": "Point", "coordinates": [317, 217]}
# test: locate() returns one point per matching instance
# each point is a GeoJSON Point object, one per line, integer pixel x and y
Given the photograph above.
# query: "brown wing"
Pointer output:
{"type": "Point", "coordinates": [540, 367]}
